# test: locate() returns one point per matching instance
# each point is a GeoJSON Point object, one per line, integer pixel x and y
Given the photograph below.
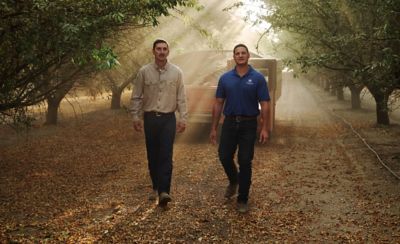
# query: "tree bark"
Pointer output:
{"type": "Point", "coordinates": [339, 93]}
{"type": "Point", "coordinates": [382, 109]}
{"type": "Point", "coordinates": [382, 113]}
{"type": "Point", "coordinates": [355, 96]}
{"type": "Point", "coordinates": [116, 98]}
{"type": "Point", "coordinates": [54, 100]}
{"type": "Point", "coordinates": [116, 90]}
{"type": "Point", "coordinates": [333, 88]}
{"type": "Point", "coordinates": [327, 85]}
{"type": "Point", "coordinates": [53, 103]}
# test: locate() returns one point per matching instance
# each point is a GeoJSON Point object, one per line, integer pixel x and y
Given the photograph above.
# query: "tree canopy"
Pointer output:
{"type": "Point", "coordinates": [41, 40]}
{"type": "Point", "coordinates": [360, 38]}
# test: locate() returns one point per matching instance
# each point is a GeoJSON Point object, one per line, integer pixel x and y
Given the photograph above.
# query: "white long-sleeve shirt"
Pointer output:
{"type": "Point", "coordinates": [159, 91]}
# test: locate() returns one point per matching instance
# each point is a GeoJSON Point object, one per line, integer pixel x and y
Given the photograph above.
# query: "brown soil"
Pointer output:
{"type": "Point", "coordinates": [86, 181]}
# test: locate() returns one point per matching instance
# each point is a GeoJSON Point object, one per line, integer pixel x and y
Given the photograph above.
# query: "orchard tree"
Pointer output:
{"type": "Point", "coordinates": [130, 52]}
{"type": "Point", "coordinates": [41, 39]}
{"type": "Point", "coordinates": [377, 22]}
{"type": "Point", "coordinates": [356, 37]}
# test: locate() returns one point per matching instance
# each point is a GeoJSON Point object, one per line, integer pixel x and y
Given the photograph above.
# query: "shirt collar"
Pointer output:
{"type": "Point", "coordinates": [167, 65]}
{"type": "Point", "coordinates": [248, 72]}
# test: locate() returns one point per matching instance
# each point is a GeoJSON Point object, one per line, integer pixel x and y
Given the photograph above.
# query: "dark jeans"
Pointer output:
{"type": "Point", "coordinates": [160, 135]}
{"type": "Point", "coordinates": [240, 135]}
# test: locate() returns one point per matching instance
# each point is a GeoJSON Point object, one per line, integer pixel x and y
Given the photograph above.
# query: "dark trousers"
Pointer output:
{"type": "Point", "coordinates": [160, 135]}
{"type": "Point", "coordinates": [242, 135]}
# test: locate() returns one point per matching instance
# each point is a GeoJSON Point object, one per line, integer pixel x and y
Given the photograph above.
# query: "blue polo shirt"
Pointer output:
{"type": "Point", "coordinates": [242, 94]}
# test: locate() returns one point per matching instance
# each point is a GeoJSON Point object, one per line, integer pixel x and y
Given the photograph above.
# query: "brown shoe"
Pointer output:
{"type": "Point", "coordinates": [164, 199]}
{"type": "Point", "coordinates": [231, 190]}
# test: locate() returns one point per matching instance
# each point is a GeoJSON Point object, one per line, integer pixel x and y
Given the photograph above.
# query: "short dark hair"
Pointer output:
{"type": "Point", "coordinates": [240, 45]}
{"type": "Point", "coordinates": [159, 41]}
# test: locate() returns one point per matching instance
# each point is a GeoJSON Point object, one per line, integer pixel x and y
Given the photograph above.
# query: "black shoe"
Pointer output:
{"type": "Point", "coordinates": [231, 190]}
{"type": "Point", "coordinates": [242, 207]}
{"type": "Point", "coordinates": [164, 199]}
{"type": "Point", "coordinates": [153, 195]}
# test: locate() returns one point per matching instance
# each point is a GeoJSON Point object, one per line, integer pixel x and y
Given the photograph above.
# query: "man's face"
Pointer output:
{"type": "Point", "coordinates": [241, 56]}
{"type": "Point", "coordinates": [161, 51]}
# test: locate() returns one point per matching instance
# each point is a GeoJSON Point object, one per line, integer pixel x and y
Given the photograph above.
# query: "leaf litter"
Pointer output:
{"type": "Point", "coordinates": [87, 182]}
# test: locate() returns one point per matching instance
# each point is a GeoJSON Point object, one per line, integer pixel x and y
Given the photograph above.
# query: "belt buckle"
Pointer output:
{"type": "Point", "coordinates": [158, 114]}
{"type": "Point", "coordinates": [237, 119]}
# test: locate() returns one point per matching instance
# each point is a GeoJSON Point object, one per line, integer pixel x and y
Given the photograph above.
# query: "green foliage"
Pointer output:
{"type": "Point", "coordinates": [334, 34]}
{"type": "Point", "coordinates": [360, 38]}
{"type": "Point", "coordinates": [105, 58]}
{"type": "Point", "coordinates": [40, 37]}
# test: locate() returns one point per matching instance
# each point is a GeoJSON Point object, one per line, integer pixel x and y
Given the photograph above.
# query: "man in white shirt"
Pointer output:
{"type": "Point", "coordinates": [158, 93]}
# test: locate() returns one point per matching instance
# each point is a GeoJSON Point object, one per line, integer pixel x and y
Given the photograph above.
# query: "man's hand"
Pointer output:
{"type": "Point", "coordinates": [216, 115]}
{"type": "Point", "coordinates": [264, 135]}
{"type": "Point", "coordinates": [180, 127]}
{"type": "Point", "coordinates": [138, 126]}
{"type": "Point", "coordinates": [213, 136]}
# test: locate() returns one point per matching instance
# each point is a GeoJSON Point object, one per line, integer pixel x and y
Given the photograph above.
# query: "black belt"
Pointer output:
{"type": "Point", "coordinates": [239, 118]}
{"type": "Point", "coordinates": [158, 114]}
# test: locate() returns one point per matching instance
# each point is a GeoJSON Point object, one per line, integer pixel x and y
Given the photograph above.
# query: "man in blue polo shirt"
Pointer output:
{"type": "Point", "coordinates": [241, 90]}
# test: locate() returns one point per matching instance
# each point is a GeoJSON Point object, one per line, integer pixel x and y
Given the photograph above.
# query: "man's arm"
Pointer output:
{"type": "Point", "coordinates": [265, 120]}
{"type": "Point", "coordinates": [137, 101]}
{"type": "Point", "coordinates": [181, 103]}
{"type": "Point", "coordinates": [216, 115]}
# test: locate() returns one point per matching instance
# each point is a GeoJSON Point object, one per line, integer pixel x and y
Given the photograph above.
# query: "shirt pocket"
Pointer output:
{"type": "Point", "coordinates": [150, 89]}
{"type": "Point", "coordinates": [150, 83]}
{"type": "Point", "coordinates": [170, 87]}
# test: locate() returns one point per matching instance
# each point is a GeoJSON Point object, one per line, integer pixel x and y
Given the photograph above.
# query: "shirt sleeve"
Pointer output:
{"type": "Point", "coordinates": [181, 99]}
{"type": "Point", "coordinates": [137, 97]}
{"type": "Point", "coordinates": [220, 93]}
{"type": "Point", "coordinates": [262, 90]}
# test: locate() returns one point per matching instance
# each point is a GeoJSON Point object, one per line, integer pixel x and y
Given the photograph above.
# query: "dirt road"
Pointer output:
{"type": "Point", "coordinates": [86, 181]}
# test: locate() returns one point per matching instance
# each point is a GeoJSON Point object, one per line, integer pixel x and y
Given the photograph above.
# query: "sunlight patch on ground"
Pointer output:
{"type": "Point", "coordinates": [145, 214]}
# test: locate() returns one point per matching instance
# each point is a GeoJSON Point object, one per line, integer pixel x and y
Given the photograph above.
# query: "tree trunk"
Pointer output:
{"type": "Point", "coordinates": [355, 97]}
{"type": "Point", "coordinates": [116, 91]}
{"type": "Point", "coordinates": [327, 85]}
{"type": "Point", "coordinates": [53, 103]}
{"type": "Point", "coordinates": [339, 93]}
{"type": "Point", "coordinates": [116, 99]}
{"type": "Point", "coordinates": [321, 82]}
{"type": "Point", "coordinates": [382, 109]}
{"type": "Point", "coordinates": [382, 114]}
{"type": "Point", "coordinates": [333, 88]}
